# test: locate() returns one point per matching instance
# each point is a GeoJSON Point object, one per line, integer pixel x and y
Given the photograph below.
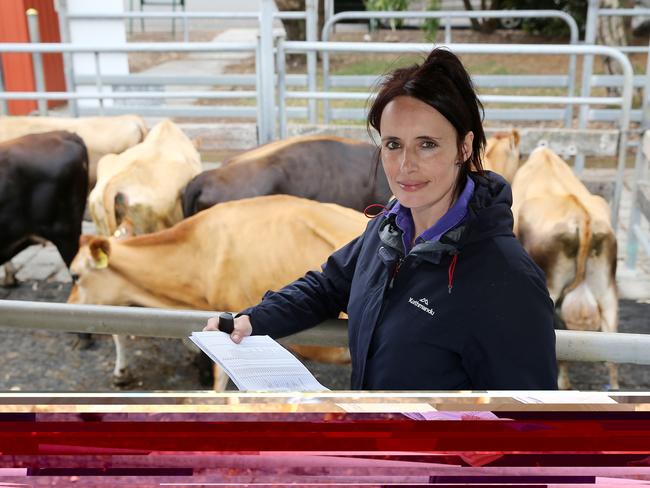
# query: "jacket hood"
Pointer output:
{"type": "Point", "coordinates": [489, 212]}
{"type": "Point", "coordinates": [488, 215]}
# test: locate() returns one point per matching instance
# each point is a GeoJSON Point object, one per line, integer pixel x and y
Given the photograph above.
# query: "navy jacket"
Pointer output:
{"type": "Point", "coordinates": [468, 312]}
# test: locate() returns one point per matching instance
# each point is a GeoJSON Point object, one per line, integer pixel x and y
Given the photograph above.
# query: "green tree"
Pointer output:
{"type": "Point", "coordinates": [387, 5]}
{"type": "Point", "coordinates": [431, 26]}
{"type": "Point", "coordinates": [551, 27]}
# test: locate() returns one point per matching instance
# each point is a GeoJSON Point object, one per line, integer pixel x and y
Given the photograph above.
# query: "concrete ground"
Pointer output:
{"type": "Point", "coordinates": [153, 25]}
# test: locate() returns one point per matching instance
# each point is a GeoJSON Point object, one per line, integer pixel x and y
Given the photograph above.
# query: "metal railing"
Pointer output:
{"type": "Point", "coordinates": [590, 80]}
{"type": "Point", "coordinates": [636, 237]}
{"type": "Point", "coordinates": [154, 322]}
{"type": "Point", "coordinates": [446, 16]}
{"type": "Point", "coordinates": [265, 18]}
{"type": "Point", "coordinates": [264, 114]}
{"type": "Point", "coordinates": [624, 101]}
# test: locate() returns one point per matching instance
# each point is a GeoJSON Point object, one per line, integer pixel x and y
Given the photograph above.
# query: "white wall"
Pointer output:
{"type": "Point", "coordinates": [97, 33]}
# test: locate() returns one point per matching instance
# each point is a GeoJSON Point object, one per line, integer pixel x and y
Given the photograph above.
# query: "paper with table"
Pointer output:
{"type": "Point", "coordinates": [257, 363]}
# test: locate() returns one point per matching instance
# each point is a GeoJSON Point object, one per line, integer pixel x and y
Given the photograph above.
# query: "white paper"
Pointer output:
{"type": "Point", "coordinates": [385, 407]}
{"type": "Point", "coordinates": [257, 363]}
{"type": "Point", "coordinates": [567, 397]}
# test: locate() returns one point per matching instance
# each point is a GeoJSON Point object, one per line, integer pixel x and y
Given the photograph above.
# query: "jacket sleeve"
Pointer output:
{"type": "Point", "coordinates": [317, 296]}
{"type": "Point", "coordinates": [513, 341]}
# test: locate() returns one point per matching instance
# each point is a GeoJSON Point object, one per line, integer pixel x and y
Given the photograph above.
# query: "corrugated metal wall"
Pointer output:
{"type": "Point", "coordinates": [17, 68]}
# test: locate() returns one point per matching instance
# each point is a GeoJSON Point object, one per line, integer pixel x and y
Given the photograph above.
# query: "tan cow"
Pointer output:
{"type": "Point", "coordinates": [502, 154]}
{"type": "Point", "coordinates": [224, 258]}
{"type": "Point", "coordinates": [139, 191]}
{"type": "Point", "coordinates": [567, 231]}
{"type": "Point", "coordinates": [102, 135]}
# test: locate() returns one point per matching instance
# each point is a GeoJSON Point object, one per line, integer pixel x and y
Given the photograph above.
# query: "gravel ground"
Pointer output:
{"type": "Point", "coordinates": [50, 361]}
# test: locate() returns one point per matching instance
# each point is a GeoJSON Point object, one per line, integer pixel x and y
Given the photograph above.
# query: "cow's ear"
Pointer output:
{"type": "Point", "coordinates": [100, 249]}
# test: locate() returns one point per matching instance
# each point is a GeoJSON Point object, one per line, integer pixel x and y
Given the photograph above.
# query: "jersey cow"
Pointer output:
{"type": "Point", "coordinates": [102, 135]}
{"type": "Point", "coordinates": [225, 258]}
{"type": "Point", "coordinates": [567, 231]}
{"type": "Point", "coordinates": [322, 168]}
{"type": "Point", "coordinates": [139, 191]}
{"type": "Point", "coordinates": [502, 154]}
{"type": "Point", "coordinates": [43, 188]}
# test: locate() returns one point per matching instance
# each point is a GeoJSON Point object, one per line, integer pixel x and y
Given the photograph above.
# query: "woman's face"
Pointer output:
{"type": "Point", "coordinates": [419, 153]}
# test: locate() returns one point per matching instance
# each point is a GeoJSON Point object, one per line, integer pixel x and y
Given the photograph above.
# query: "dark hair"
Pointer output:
{"type": "Point", "coordinates": [443, 83]}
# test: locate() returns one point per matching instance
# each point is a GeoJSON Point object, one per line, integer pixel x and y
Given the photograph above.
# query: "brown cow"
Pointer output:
{"type": "Point", "coordinates": [225, 258]}
{"type": "Point", "coordinates": [43, 187]}
{"type": "Point", "coordinates": [323, 168]}
{"type": "Point", "coordinates": [502, 154]}
{"type": "Point", "coordinates": [568, 233]}
{"type": "Point", "coordinates": [102, 135]}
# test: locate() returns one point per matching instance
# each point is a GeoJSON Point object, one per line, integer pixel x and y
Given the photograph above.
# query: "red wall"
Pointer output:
{"type": "Point", "coordinates": [17, 68]}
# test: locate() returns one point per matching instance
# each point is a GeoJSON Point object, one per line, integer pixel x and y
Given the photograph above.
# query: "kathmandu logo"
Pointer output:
{"type": "Point", "coordinates": [422, 304]}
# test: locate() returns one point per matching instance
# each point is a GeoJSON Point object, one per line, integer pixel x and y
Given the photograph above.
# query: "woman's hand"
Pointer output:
{"type": "Point", "coordinates": [242, 327]}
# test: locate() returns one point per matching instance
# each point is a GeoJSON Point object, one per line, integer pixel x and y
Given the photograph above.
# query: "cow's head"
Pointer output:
{"type": "Point", "coordinates": [104, 273]}
{"type": "Point", "coordinates": [502, 154]}
{"type": "Point", "coordinates": [90, 271]}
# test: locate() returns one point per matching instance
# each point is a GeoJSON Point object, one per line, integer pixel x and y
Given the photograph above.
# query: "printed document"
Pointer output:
{"type": "Point", "coordinates": [256, 363]}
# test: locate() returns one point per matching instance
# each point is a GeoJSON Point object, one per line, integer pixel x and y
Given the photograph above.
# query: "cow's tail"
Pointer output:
{"type": "Point", "coordinates": [580, 309]}
{"type": "Point", "coordinates": [190, 197]}
{"type": "Point", "coordinates": [142, 126]}
{"type": "Point", "coordinates": [583, 245]}
{"type": "Point", "coordinates": [108, 202]}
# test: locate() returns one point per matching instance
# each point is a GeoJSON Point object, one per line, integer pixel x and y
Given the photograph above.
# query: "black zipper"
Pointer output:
{"type": "Point", "coordinates": [395, 271]}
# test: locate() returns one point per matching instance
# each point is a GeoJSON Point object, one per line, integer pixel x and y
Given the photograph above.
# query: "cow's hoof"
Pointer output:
{"type": "Point", "coordinates": [9, 282]}
{"type": "Point", "coordinates": [123, 379]}
{"type": "Point", "coordinates": [84, 341]}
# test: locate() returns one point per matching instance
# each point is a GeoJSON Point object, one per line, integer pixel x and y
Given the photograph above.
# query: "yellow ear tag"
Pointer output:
{"type": "Point", "coordinates": [101, 261]}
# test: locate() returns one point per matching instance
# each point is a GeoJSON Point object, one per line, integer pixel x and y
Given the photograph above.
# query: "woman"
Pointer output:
{"type": "Point", "coordinates": [439, 293]}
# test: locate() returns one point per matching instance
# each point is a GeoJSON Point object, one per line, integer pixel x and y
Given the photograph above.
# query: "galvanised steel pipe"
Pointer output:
{"type": "Point", "coordinates": [101, 319]}
{"type": "Point", "coordinates": [185, 15]}
{"type": "Point", "coordinates": [494, 14]}
{"type": "Point", "coordinates": [442, 14]}
{"type": "Point", "coordinates": [624, 12]}
{"type": "Point", "coordinates": [127, 95]}
{"type": "Point", "coordinates": [266, 63]}
{"type": "Point", "coordinates": [519, 99]}
{"type": "Point", "coordinates": [154, 322]}
{"type": "Point", "coordinates": [37, 58]}
{"type": "Point", "coordinates": [587, 72]}
{"type": "Point", "coordinates": [50, 47]}
{"type": "Point", "coordinates": [164, 15]}
{"type": "Point", "coordinates": [138, 321]}
{"type": "Point", "coordinates": [311, 34]}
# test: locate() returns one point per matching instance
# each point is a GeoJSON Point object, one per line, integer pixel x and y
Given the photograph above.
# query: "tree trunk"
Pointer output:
{"type": "Point", "coordinates": [486, 25]}
{"type": "Point", "coordinates": [611, 32]}
{"type": "Point", "coordinates": [295, 28]}
{"type": "Point", "coordinates": [475, 23]}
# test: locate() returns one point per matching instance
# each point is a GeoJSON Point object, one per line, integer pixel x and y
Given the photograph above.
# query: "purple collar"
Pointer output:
{"type": "Point", "coordinates": [454, 216]}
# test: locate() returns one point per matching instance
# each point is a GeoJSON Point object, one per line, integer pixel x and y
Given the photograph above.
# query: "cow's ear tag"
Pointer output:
{"type": "Point", "coordinates": [101, 261]}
